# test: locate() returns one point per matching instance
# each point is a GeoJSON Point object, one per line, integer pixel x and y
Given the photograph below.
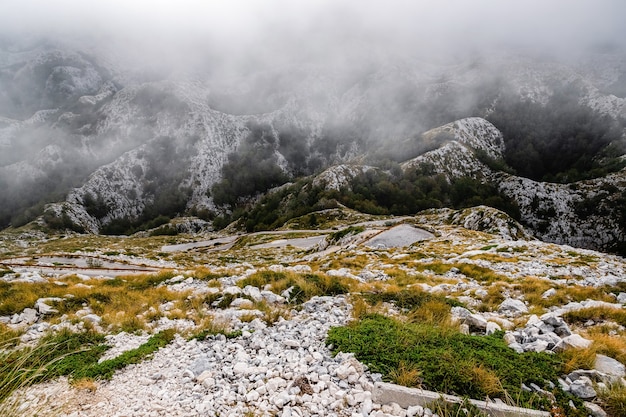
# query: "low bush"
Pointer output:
{"type": "Point", "coordinates": [448, 361]}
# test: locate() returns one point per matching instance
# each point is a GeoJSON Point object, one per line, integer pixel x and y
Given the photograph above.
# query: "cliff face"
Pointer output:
{"type": "Point", "coordinates": [583, 214]}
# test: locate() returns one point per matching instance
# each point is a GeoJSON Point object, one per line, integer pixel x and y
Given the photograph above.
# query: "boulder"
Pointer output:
{"type": "Point", "coordinates": [551, 338]}
{"type": "Point", "coordinates": [476, 321]}
{"type": "Point", "coordinates": [594, 410]}
{"type": "Point", "coordinates": [272, 298]}
{"type": "Point", "coordinates": [609, 366]}
{"type": "Point", "coordinates": [28, 316]}
{"type": "Point", "coordinates": [533, 321]}
{"type": "Point", "coordinates": [512, 307]}
{"type": "Point", "coordinates": [537, 346]}
{"type": "Point", "coordinates": [460, 312]}
{"type": "Point", "coordinates": [92, 318]}
{"type": "Point", "coordinates": [44, 308]}
{"type": "Point", "coordinates": [241, 303]}
{"type": "Point", "coordinates": [492, 328]}
{"type": "Point", "coordinates": [583, 388]}
{"type": "Point", "coordinates": [574, 341]}
{"type": "Point", "coordinates": [253, 292]}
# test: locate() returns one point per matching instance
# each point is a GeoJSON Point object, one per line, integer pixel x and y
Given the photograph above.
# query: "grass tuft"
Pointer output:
{"type": "Point", "coordinates": [406, 374]}
{"type": "Point", "coordinates": [597, 314]}
{"type": "Point", "coordinates": [613, 400]}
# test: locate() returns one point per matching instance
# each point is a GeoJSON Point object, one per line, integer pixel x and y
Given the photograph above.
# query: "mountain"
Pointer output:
{"type": "Point", "coordinates": [102, 148]}
{"type": "Point", "coordinates": [586, 213]}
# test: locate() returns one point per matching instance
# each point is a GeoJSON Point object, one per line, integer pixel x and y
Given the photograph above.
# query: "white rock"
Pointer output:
{"type": "Point", "coordinates": [240, 368]}
{"type": "Point", "coordinates": [241, 303]}
{"type": "Point", "coordinates": [92, 318]}
{"type": "Point", "coordinates": [512, 307]}
{"type": "Point", "coordinates": [252, 396]}
{"type": "Point", "coordinates": [291, 343]}
{"type": "Point", "coordinates": [609, 366]}
{"type": "Point", "coordinates": [253, 292]}
{"type": "Point", "coordinates": [492, 328]}
{"type": "Point", "coordinates": [583, 388]}
{"type": "Point", "coordinates": [44, 308]}
{"type": "Point", "coordinates": [415, 411]}
{"type": "Point", "coordinates": [476, 321]}
{"type": "Point", "coordinates": [594, 409]}
{"type": "Point", "coordinates": [574, 341]}
{"type": "Point", "coordinates": [28, 316]}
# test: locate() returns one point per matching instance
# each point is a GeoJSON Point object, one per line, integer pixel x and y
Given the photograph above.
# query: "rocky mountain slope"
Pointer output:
{"type": "Point", "coordinates": [251, 320]}
{"type": "Point", "coordinates": [584, 213]}
{"type": "Point", "coordinates": [115, 148]}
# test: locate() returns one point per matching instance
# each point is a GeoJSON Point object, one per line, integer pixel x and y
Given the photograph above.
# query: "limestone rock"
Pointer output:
{"type": "Point", "coordinates": [609, 366]}
{"type": "Point", "coordinates": [583, 388]}
{"type": "Point", "coordinates": [512, 307]}
{"type": "Point", "coordinates": [574, 341]}
{"type": "Point", "coordinates": [594, 409]}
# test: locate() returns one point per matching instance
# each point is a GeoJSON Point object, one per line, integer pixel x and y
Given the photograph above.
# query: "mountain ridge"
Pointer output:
{"type": "Point", "coordinates": [121, 148]}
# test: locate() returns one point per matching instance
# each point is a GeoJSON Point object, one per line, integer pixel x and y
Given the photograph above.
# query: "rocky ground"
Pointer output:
{"type": "Point", "coordinates": [282, 366]}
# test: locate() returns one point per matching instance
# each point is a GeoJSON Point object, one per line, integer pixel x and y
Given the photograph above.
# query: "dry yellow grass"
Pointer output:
{"type": "Point", "coordinates": [84, 384]}
{"type": "Point", "coordinates": [579, 359]}
{"type": "Point", "coordinates": [609, 345]}
{"type": "Point", "coordinates": [359, 307]}
{"type": "Point", "coordinates": [434, 312]}
{"type": "Point", "coordinates": [494, 297]}
{"type": "Point", "coordinates": [613, 399]}
{"type": "Point", "coordinates": [532, 288]}
{"type": "Point", "coordinates": [407, 375]}
{"type": "Point", "coordinates": [247, 318]}
{"type": "Point", "coordinates": [125, 303]}
{"type": "Point", "coordinates": [580, 293]}
{"type": "Point", "coordinates": [495, 258]}
{"type": "Point", "coordinates": [487, 380]}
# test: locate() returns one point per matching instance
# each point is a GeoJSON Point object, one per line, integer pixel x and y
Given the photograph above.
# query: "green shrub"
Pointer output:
{"type": "Point", "coordinates": [448, 361]}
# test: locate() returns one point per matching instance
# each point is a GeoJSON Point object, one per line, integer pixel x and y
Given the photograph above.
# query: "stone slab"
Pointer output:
{"type": "Point", "coordinates": [385, 393]}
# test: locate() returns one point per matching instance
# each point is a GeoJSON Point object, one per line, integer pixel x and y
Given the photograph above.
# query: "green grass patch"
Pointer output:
{"type": "Point", "coordinates": [448, 361]}
{"type": "Point", "coordinates": [105, 369]}
{"type": "Point", "coordinates": [67, 354]}
{"type": "Point", "coordinates": [54, 356]}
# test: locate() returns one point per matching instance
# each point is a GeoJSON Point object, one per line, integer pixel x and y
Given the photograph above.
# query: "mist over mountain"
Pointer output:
{"type": "Point", "coordinates": [116, 117]}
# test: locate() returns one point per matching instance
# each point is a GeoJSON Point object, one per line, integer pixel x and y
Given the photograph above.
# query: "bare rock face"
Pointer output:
{"type": "Point", "coordinates": [580, 214]}
{"type": "Point", "coordinates": [490, 220]}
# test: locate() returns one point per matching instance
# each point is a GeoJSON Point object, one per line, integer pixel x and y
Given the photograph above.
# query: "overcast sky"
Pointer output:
{"type": "Point", "coordinates": [319, 29]}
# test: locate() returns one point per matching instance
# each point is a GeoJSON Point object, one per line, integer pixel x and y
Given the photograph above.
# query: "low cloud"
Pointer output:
{"type": "Point", "coordinates": [273, 32]}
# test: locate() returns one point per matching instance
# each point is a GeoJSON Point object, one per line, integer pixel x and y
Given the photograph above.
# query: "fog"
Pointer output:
{"type": "Point", "coordinates": [347, 57]}
{"type": "Point", "coordinates": [236, 35]}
